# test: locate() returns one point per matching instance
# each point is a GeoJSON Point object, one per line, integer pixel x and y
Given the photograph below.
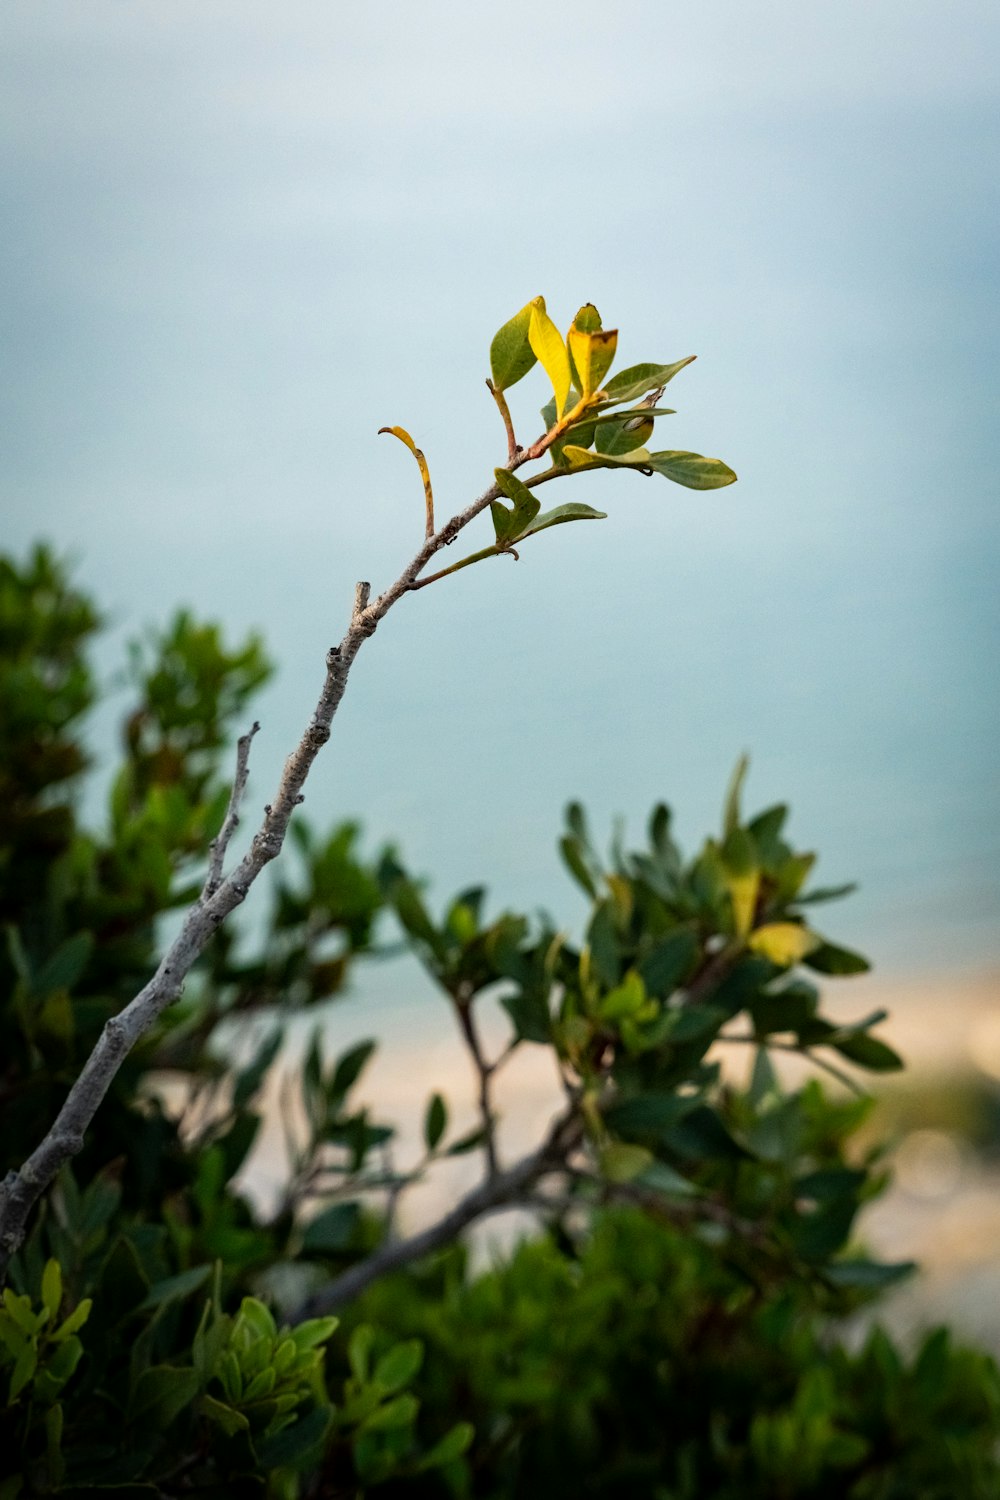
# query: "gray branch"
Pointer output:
{"type": "Point", "coordinates": [507, 1189]}
{"type": "Point", "coordinates": [220, 896]}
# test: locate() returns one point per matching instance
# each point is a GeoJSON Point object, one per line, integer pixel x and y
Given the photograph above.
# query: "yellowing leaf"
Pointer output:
{"type": "Point", "coordinates": [549, 349]}
{"type": "Point", "coordinates": [743, 894]}
{"type": "Point", "coordinates": [621, 1161]}
{"type": "Point", "coordinates": [592, 354]}
{"type": "Point", "coordinates": [588, 318]}
{"type": "Point", "coordinates": [784, 943]}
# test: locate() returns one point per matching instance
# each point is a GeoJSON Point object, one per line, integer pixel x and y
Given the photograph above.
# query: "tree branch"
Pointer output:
{"type": "Point", "coordinates": [504, 1190]}
{"type": "Point", "coordinates": [219, 845]}
{"type": "Point", "coordinates": [220, 896]}
{"type": "Point", "coordinates": [484, 1073]}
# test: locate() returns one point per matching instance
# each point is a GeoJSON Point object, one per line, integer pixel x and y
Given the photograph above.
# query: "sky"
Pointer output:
{"type": "Point", "coordinates": [239, 238]}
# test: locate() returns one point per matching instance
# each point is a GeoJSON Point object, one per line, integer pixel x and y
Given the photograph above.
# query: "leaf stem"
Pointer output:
{"type": "Point", "coordinates": [513, 447]}
{"type": "Point", "coordinates": [419, 583]}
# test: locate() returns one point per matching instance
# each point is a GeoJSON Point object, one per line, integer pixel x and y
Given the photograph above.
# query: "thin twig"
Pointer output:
{"type": "Point", "coordinates": [513, 447]}
{"type": "Point", "coordinates": [674, 1211]}
{"type": "Point", "coordinates": [806, 1052]}
{"type": "Point", "coordinates": [470, 1035]}
{"type": "Point", "coordinates": [505, 1190]}
{"type": "Point", "coordinates": [230, 823]}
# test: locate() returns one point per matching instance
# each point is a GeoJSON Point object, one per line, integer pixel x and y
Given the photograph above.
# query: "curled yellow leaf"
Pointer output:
{"type": "Point", "coordinates": [784, 943]}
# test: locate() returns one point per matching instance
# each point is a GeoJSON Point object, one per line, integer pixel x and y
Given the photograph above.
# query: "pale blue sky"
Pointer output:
{"type": "Point", "coordinates": [241, 237]}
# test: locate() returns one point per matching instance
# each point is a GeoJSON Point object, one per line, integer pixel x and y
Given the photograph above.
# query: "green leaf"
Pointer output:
{"type": "Point", "coordinates": [65, 966]}
{"type": "Point", "coordinates": [630, 384]}
{"type": "Point", "coordinates": [528, 1009]}
{"type": "Point", "coordinates": [766, 830]}
{"type": "Point", "coordinates": [869, 1275]}
{"type": "Point", "coordinates": [508, 484]}
{"type": "Point", "coordinates": [563, 513]}
{"type": "Point", "coordinates": [52, 1289]}
{"type": "Point", "coordinates": [624, 1000]}
{"type": "Point", "coordinates": [734, 793]}
{"type": "Point", "coordinates": [623, 1162]}
{"type": "Point", "coordinates": [400, 1412]}
{"type": "Point", "coordinates": [829, 959]}
{"type": "Point", "coordinates": [24, 1368]}
{"type": "Point", "coordinates": [511, 354]}
{"type": "Point", "coordinates": [398, 1367]}
{"type": "Point", "coordinates": [692, 470]}
{"type": "Point", "coordinates": [75, 1321]}
{"type": "Point", "coordinates": [664, 1179]}
{"type": "Point", "coordinates": [510, 525]}
{"type": "Point", "coordinates": [588, 319]}
{"type": "Point", "coordinates": [666, 965]}
{"type": "Point", "coordinates": [350, 1067]}
{"type": "Point", "coordinates": [331, 1230]}
{"type": "Point", "coordinates": [503, 522]}
{"type": "Point", "coordinates": [550, 350]}
{"type": "Point", "coordinates": [826, 893]}
{"type": "Point", "coordinates": [868, 1052]}
{"type": "Point", "coordinates": [227, 1418]}
{"type": "Point", "coordinates": [579, 458]}
{"type": "Point", "coordinates": [467, 1143]}
{"type": "Point", "coordinates": [250, 1078]}
{"type": "Point", "coordinates": [435, 1121]}
{"type": "Point", "coordinates": [161, 1394]}
{"type": "Point", "coordinates": [175, 1288]}
{"type": "Point", "coordinates": [572, 852]}
{"type": "Point", "coordinates": [622, 436]}
{"type": "Point", "coordinates": [647, 1114]}
{"type": "Point", "coordinates": [19, 1311]}
{"type": "Point", "coordinates": [258, 1318]}
{"type": "Point", "coordinates": [296, 1446]}
{"type": "Point", "coordinates": [448, 1448]}
{"type": "Point", "coordinates": [359, 1350]}
{"type": "Point", "coordinates": [312, 1333]}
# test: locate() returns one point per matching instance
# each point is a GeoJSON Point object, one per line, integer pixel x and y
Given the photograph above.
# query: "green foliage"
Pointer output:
{"type": "Point", "coordinates": [636, 1360]}
{"type": "Point", "coordinates": [671, 1333]}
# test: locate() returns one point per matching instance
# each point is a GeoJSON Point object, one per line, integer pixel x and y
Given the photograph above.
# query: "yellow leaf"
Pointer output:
{"type": "Point", "coordinates": [592, 353]}
{"type": "Point", "coordinates": [743, 894]}
{"type": "Point", "coordinates": [549, 348]}
{"type": "Point", "coordinates": [622, 1162]}
{"type": "Point", "coordinates": [784, 943]}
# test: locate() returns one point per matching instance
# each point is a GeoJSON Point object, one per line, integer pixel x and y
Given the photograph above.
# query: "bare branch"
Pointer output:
{"type": "Point", "coordinates": [219, 845]}
{"type": "Point", "coordinates": [484, 1071]}
{"type": "Point", "coordinates": [504, 1190]}
{"type": "Point", "coordinates": [22, 1189]}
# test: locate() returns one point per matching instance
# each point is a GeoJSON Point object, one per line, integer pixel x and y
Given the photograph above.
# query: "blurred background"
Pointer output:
{"type": "Point", "coordinates": [239, 238]}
